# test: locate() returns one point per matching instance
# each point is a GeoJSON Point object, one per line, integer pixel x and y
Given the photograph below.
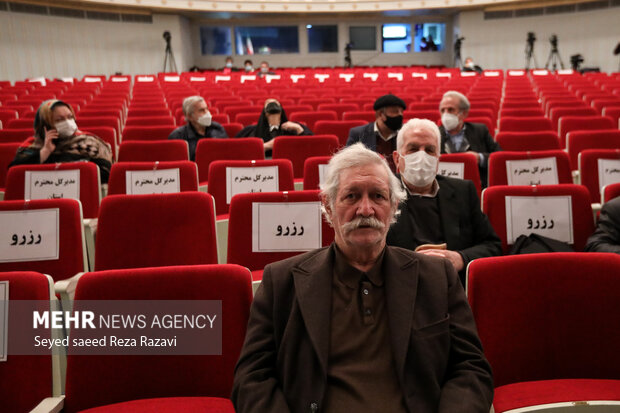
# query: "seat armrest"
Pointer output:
{"type": "Point", "coordinates": [50, 405]}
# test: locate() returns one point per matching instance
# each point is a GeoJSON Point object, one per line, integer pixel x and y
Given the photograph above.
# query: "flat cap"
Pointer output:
{"type": "Point", "coordinates": [389, 100]}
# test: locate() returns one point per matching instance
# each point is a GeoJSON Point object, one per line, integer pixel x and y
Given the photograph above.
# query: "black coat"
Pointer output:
{"type": "Point", "coordinates": [465, 228]}
{"type": "Point", "coordinates": [606, 238]}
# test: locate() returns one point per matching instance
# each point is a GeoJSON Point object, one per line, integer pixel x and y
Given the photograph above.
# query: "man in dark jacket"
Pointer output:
{"type": "Point", "coordinates": [606, 238]}
{"type": "Point", "coordinates": [460, 136]}
{"type": "Point", "coordinates": [199, 124]}
{"type": "Point", "coordinates": [360, 326]}
{"type": "Point", "coordinates": [441, 215]}
{"type": "Point", "coordinates": [380, 135]}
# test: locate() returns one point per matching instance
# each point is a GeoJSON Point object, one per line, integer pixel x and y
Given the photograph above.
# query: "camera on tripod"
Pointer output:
{"type": "Point", "coordinates": [531, 38]}
{"type": "Point", "coordinates": [167, 36]}
{"type": "Point", "coordinates": [554, 41]}
{"type": "Point", "coordinates": [576, 60]}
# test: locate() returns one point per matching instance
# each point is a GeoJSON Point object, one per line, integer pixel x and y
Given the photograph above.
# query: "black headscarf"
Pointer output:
{"type": "Point", "coordinates": [262, 126]}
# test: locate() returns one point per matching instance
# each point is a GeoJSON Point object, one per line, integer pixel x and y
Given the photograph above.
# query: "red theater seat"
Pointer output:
{"type": "Point", "coordinates": [311, 171]}
{"type": "Point", "coordinates": [300, 148]}
{"type": "Point", "coordinates": [89, 179]}
{"type": "Point", "coordinates": [588, 161]}
{"type": "Point", "coordinates": [577, 141]}
{"type": "Point", "coordinates": [218, 186]}
{"type": "Point", "coordinates": [498, 174]}
{"type": "Point", "coordinates": [528, 141]}
{"type": "Point", "coordinates": [240, 238]}
{"type": "Point", "coordinates": [582, 221]}
{"type": "Point", "coordinates": [188, 174]}
{"type": "Point", "coordinates": [152, 151]}
{"type": "Point", "coordinates": [340, 128]}
{"type": "Point", "coordinates": [156, 230]}
{"type": "Point", "coordinates": [162, 383]}
{"type": "Point", "coordinates": [25, 380]}
{"type": "Point", "coordinates": [209, 150]}
{"type": "Point", "coordinates": [71, 248]}
{"type": "Point", "coordinates": [525, 124]}
{"type": "Point", "coordinates": [146, 133]}
{"type": "Point", "coordinates": [529, 307]}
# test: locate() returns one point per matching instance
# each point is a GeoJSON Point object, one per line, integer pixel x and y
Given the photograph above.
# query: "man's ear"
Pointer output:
{"type": "Point", "coordinates": [395, 158]}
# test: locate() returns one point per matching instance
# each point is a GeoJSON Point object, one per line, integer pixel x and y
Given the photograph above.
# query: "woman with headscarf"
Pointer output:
{"type": "Point", "coordinates": [58, 139]}
{"type": "Point", "coordinates": [272, 123]}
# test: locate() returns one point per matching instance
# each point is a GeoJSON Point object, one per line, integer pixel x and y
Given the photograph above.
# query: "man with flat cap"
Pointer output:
{"type": "Point", "coordinates": [380, 135]}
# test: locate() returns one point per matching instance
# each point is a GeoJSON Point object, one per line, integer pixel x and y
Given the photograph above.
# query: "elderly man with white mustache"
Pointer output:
{"type": "Point", "coordinates": [360, 326]}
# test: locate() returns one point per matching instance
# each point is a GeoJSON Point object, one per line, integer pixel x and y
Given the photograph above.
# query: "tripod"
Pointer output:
{"type": "Point", "coordinates": [169, 58]}
{"type": "Point", "coordinates": [529, 55]}
{"type": "Point", "coordinates": [554, 57]}
{"type": "Point", "coordinates": [457, 51]}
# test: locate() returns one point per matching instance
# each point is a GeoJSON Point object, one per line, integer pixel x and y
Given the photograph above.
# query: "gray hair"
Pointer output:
{"type": "Point", "coordinates": [188, 104]}
{"type": "Point", "coordinates": [463, 101]}
{"type": "Point", "coordinates": [355, 156]}
{"type": "Point", "coordinates": [418, 125]}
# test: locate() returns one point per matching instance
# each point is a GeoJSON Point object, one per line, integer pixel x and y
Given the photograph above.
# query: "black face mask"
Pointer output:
{"type": "Point", "coordinates": [394, 122]}
{"type": "Point", "coordinates": [273, 108]}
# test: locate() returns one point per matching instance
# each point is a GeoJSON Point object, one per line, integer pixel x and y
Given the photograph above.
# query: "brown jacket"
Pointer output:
{"type": "Point", "coordinates": [438, 355]}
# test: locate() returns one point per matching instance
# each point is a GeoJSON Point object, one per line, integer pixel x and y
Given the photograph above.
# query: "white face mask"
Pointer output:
{"type": "Point", "coordinates": [66, 128]}
{"type": "Point", "coordinates": [205, 120]}
{"type": "Point", "coordinates": [420, 168]}
{"type": "Point", "coordinates": [450, 121]}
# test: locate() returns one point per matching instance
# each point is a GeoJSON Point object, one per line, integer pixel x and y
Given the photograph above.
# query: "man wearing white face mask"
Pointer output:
{"type": "Point", "coordinates": [460, 136]}
{"type": "Point", "coordinates": [199, 124]}
{"type": "Point", "coordinates": [442, 215]}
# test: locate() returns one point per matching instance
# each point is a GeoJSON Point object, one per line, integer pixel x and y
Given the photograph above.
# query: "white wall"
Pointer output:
{"type": "Point", "coordinates": [501, 43]}
{"type": "Point", "coordinates": [33, 45]}
{"type": "Point", "coordinates": [306, 59]}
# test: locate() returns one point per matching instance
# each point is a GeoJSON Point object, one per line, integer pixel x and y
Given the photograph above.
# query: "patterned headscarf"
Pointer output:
{"type": "Point", "coordinates": [86, 145]}
{"type": "Point", "coordinates": [43, 118]}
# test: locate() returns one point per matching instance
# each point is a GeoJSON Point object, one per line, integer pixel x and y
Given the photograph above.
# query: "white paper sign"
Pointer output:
{"type": "Point", "coordinates": [323, 169]}
{"type": "Point", "coordinates": [452, 169]}
{"type": "Point", "coordinates": [550, 216]}
{"type": "Point", "coordinates": [52, 184]}
{"type": "Point", "coordinates": [608, 172]}
{"type": "Point", "coordinates": [158, 181]}
{"type": "Point", "coordinates": [541, 171]}
{"type": "Point", "coordinates": [4, 318]}
{"type": "Point", "coordinates": [172, 78]}
{"type": "Point", "coordinates": [252, 179]}
{"type": "Point", "coordinates": [29, 235]}
{"type": "Point", "coordinates": [491, 74]}
{"type": "Point", "coordinates": [286, 226]}
{"type": "Point", "coordinates": [321, 77]}
{"type": "Point", "coordinates": [422, 75]}
{"type": "Point", "coordinates": [146, 79]}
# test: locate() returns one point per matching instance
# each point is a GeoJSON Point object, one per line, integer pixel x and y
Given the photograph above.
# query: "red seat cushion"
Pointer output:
{"type": "Point", "coordinates": [533, 393]}
{"type": "Point", "coordinates": [168, 405]}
